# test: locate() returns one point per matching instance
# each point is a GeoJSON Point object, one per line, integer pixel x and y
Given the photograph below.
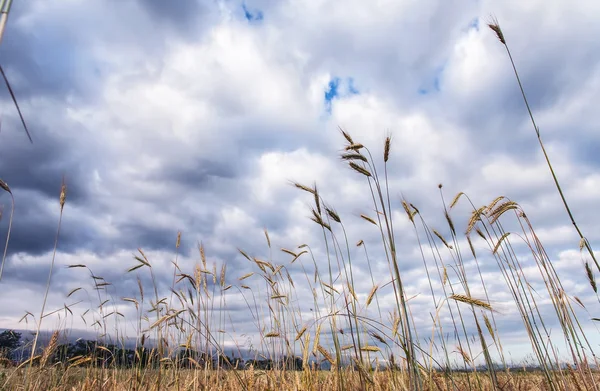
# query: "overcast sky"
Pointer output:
{"type": "Point", "coordinates": [195, 117]}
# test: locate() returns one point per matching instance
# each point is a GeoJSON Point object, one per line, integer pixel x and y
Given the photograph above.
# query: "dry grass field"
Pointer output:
{"type": "Point", "coordinates": [122, 380]}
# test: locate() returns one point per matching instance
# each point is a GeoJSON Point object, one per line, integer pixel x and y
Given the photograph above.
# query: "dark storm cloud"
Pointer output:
{"type": "Point", "coordinates": [35, 72]}
{"type": "Point", "coordinates": [199, 173]}
{"type": "Point", "coordinates": [40, 166]}
{"type": "Point", "coordinates": [54, 57]}
{"type": "Point", "coordinates": [33, 227]}
{"type": "Point", "coordinates": [45, 61]}
{"type": "Point", "coordinates": [35, 223]}
{"type": "Point", "coordinates": [35, 173]}
{"type": "Point", "coordinates": [35, 276]}
{"type": "Point", "coordinates": [148, 238]}
{"type": "Point", "coordinates": [51, 61]}
{"type": "Point", "coordinates": [180, 15]}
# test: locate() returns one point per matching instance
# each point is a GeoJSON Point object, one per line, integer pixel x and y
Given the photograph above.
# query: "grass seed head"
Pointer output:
{"type": "Point", "coordinates": [346, 136]}
{"type": "Point", "coordinates": [496, 28]}
{"type": "Point", "coordinates": [464, 355]}
{"type": "Point", "coordinates": [246, 276]}
{"type": "Point", "coordinates": [223, 272]}
{"type": "Point", "coordinates": [203, 255]}
{"type": "Point", "coordinates": [492, 204]}
{"type": "Point", "coordinates": [367, 218]}
{"type": "Point", "coordinates": [355, 147]}
{"type": "Point", "coordinates": [300, 333]}
{"type": "Point", "coordinates": [442, 239]}
{"type": "Point", "coordinates": [267, 236]}
{"type": "Point", "coordinates": [370, 348]}
{"type": "Point", "coordinates": [4, 186]}
{"type": "Point", "coordinates": [304, 188]}
{"type": "Point", "coordinates": [475, 217]}
{"type": "Point", "coordinates": [354, 156]}
{"type": "Point", "coordinates": [334, 216]}
{"type": "Point", "coordinates": [63, 195]}
{"type": "Point", "coordinates": [469, 300]}
{"type": "Point", "coordinates": [325, 354]}
{"type": "Point", "coordinates": [298, 255]}
{"type": "Point", "coordinates": [293, 254]}
{"type": "Point", "coordinates": [411, 214]}
{"type": "Point", "coordinates": [395, 326]}
{"type": "Point", "coordinates": [471, 247]}
{"type": "Point", "coordinates": [489, 327]}
{"type": "Point", "coordinates": [50, 348]}
{"type": "Point", "coordinates": [590, 276]}
{"type": "Point", "coordinates": [240, 251]}
{"type": "Point", "coordinates": [581, 241]}
{"type": "Point", "coordinates": [386, 149]}
{"type": "Point", "coordinates": [455, 199]}
{"type": "Point", "coordinates": [494, 214]}
{"type": "Point", "coordinates": [317, 199]}
{"type": "Point", "coordinates": [502, 238]}
{"type": "Point", "coordinates": [371, 295]}
{"type": "Point", "coordinates": [450, 222]}
{"type": "Point", "coordinates": [360, 169]}
{"type": "Point", "coordinates": [378, 337]}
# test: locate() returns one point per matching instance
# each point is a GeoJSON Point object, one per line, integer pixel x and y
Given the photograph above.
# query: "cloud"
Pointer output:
{"type": "Point", "coordinates": [198, 117]}
{"type": "Point", "coordinates": [177, 15]}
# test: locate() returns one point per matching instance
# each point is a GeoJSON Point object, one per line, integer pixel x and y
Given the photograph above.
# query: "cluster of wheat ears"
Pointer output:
{"type": "Point", "coordinates": [182, 337]}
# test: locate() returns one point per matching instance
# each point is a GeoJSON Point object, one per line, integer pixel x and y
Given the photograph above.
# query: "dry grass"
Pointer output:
{"type": "Point", "coordinates": [189, 379]}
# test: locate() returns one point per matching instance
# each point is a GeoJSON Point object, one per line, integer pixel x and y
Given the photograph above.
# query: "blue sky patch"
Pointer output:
{"type": "Point", "coordinates": [435, 84]}
{"type": "Point", "coordinates": [339, 88]}
{"type": "Point", "coordinates": [351, 88]}
{"type": "Point", "coordinates": [474, 24]}
{"type": "Point", "coordinates": [332, 90]}
{"type": "Point", "coordinates": [252, 16]}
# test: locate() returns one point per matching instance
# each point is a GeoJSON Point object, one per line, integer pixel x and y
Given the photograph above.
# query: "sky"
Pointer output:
{"type": "Point", "coordinates": [195, 117]}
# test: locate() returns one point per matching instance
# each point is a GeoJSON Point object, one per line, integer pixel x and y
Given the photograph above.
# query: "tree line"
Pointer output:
{"type": "Point", "coordinates": [88, 352]}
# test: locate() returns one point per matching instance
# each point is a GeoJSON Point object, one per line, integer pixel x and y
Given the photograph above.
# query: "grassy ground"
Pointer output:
{"type": "Point", "coordinates": [121, 380]}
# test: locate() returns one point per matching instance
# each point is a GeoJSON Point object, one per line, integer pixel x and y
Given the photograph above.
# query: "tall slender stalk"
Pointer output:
{"type": "Point", "coordinates": [62, 199]}
{"type": "Point", "coordinates": [5, 187]}
{"type": "Point", "coordinates": [496, 28]}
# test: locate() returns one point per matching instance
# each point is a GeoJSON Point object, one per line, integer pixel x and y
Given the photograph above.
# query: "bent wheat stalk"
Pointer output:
{"type": "Point", "coordinates": [494, 26]}
{"type": "Point", "coordinates": [62, 199]}
{"type": "Point", "coordinates": [5, 187]}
